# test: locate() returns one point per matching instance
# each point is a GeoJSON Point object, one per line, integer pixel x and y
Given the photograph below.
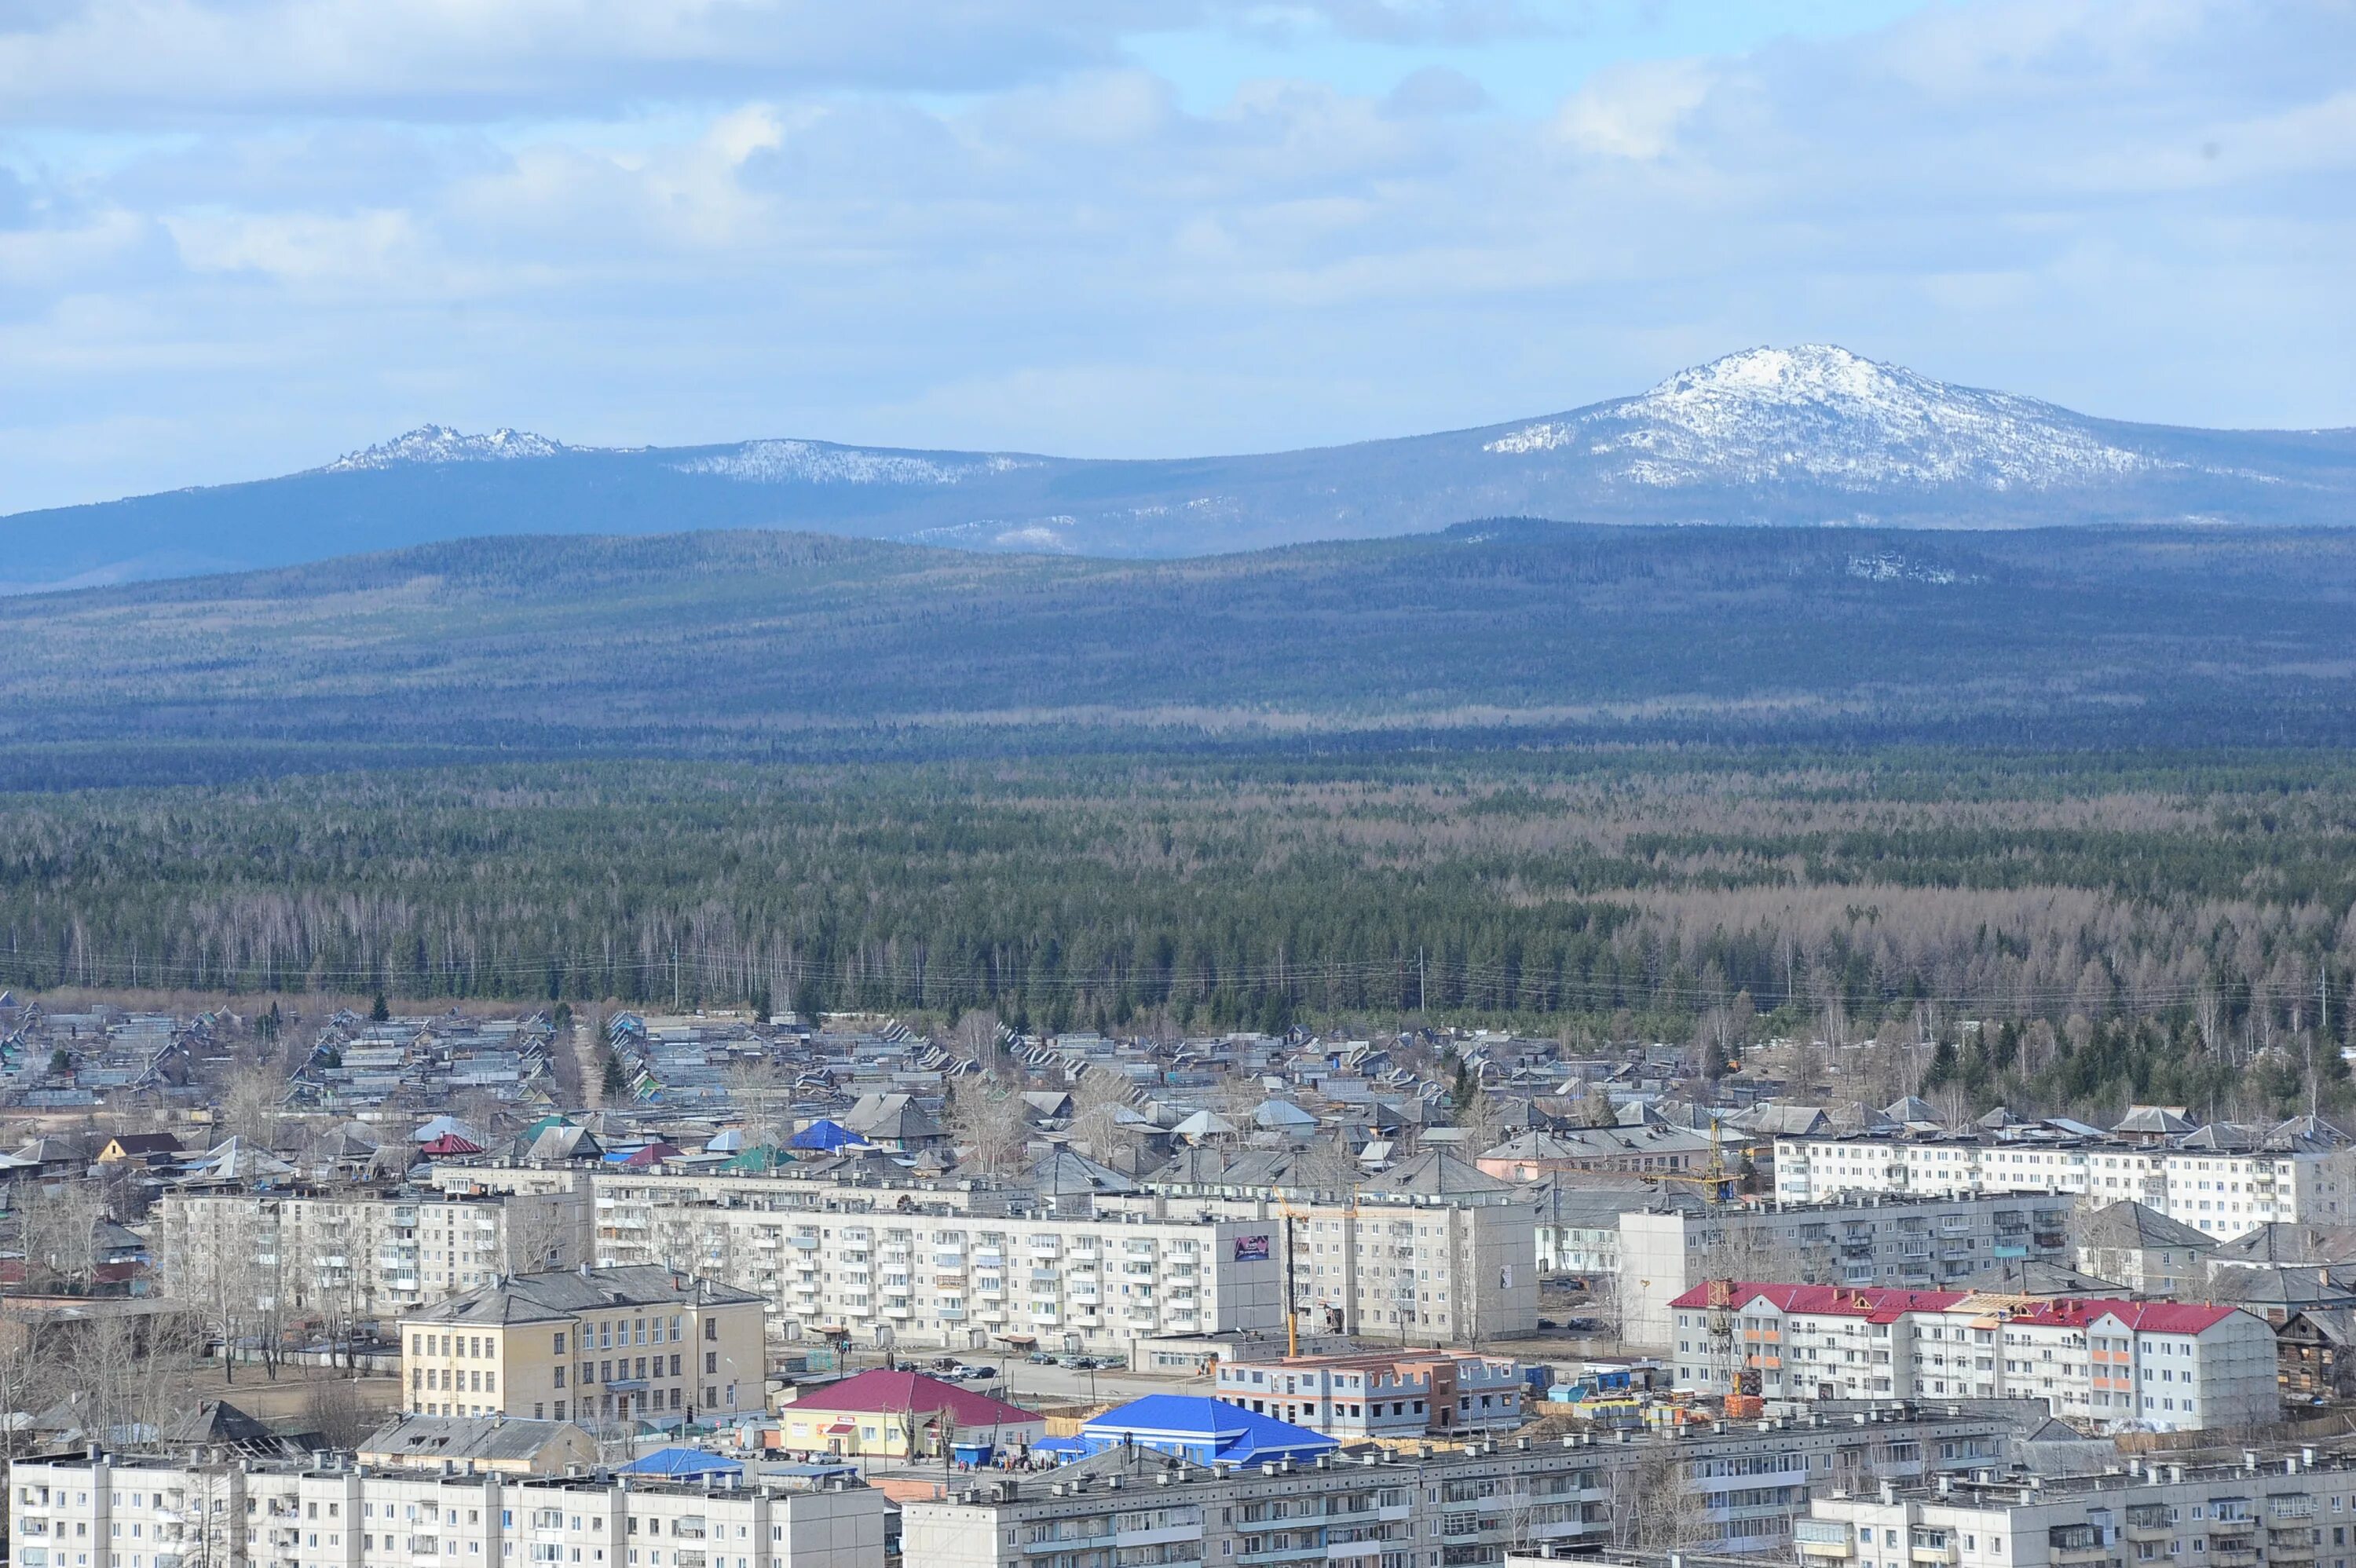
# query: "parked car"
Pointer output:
{"type": "Point", "coordinates": [977, 1374]}
{"type": "Point", "coordinates": [1041, 1358]}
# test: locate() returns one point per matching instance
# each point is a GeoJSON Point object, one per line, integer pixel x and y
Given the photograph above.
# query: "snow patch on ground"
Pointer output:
{"type": "Point", "coordinates": [1889, 566]}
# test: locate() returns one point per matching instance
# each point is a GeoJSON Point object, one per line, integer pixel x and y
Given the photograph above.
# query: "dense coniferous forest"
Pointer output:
{"type": "Point", "coordinates": [2087, 790]}
{"type": "Point", "coordinates": [2124, 926]}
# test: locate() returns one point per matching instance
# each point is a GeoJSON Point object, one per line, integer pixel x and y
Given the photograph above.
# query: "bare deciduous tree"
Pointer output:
{"type": "Point", "coordinates": [987, 1122]}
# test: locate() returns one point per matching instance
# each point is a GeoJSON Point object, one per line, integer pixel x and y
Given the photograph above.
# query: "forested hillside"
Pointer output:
{"type": "Point", "coordinates": [2144, 929]}
{"type": "Point", "coordinates": [789, 647]}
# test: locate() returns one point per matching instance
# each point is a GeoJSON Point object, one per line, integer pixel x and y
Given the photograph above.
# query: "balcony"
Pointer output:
{"type": "Point", "coordinates": [1823, 1538]}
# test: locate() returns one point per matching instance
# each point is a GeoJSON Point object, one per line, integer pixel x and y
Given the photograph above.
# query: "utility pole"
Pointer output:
{"type": "Point", "coordinates": [1419, 980]}
{"type": "Point", "coordinates": [674, 974]}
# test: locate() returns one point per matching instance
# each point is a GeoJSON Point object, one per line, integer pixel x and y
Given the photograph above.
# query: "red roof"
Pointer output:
{"type": "Point", "coordinates": [450, 1144]}
{"type": "Point", "coordinates": [881, 1391]}
{"type": "Point", "coordinates": [1877, 1305]}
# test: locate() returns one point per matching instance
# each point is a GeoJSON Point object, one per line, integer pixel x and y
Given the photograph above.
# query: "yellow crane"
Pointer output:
{"type": "Point", "coordinates": [1716, 1182]}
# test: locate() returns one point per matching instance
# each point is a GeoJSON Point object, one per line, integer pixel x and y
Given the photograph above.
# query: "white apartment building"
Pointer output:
{"type": "Point", "coordinates": [1430, 1271]}
{"type": "Point", "coordinates": [2162, 1365]}
{"type": "Point", "coordinates": [2218, 1192]}
{"type": "Point", "coordinates": [74, 1511]}
{"type": "Point", "coordinates": [1891, 1243]}
{"type": "Point", "coordinates": [1453, 1267]}
{"type": "Point", "coordinates": [2289, 1512]}
{"type": "Point", "coordinates": [960, 1280]}
{"type": "Point", "coordinates": [1747, 1486]}
{"type": "Point", "coordinates": [359, 1257]}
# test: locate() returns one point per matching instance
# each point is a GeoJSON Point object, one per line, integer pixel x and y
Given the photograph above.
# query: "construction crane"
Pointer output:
{"type": "Point", "coordinates": [1717, 1184]}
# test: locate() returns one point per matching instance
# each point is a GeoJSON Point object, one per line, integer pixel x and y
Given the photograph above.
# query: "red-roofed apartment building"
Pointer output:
{"type": "Point", "coordinates": [2165, 1365]}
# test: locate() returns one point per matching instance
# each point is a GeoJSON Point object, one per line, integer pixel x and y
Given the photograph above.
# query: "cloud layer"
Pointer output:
{"type": "Point", "coordinates": [240, 236]}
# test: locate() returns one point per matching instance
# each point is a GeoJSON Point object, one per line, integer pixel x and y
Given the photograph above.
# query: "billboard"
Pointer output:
{"type": "Point", "coordinates": [1251, 1249]}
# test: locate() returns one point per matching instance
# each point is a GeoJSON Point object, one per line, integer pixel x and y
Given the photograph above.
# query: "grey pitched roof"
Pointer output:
{"type": "Point", "coordinates": [2282, 1287]}
{"type": "Point", "coordinates": [2034, 1276]}
{"type": "Point", "coordinates": [438, 1437]}
{"type": "Point", "coordinates": [2286, 1241]}
{"type": "Point", "coordinates": [2130, 1224]}
{"type": "Point", "coordinates": [1065, 1171]}
{"type": "Point", "coordinates": [890, 1116]}
{"type": "Point", "coordinates": [566, 1292]}
{"type": "Point", "coordinates": [1434, 1173]}
{"type": "Point", "coordinates": [215, 1422]}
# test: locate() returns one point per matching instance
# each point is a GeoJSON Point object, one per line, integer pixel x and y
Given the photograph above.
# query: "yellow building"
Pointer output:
{"type": "Point", "coordinates": [588, 1345]}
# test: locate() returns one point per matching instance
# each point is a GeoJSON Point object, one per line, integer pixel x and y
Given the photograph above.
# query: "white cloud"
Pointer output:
{"type": "Point", "coordinates": [1634, 111]}
{"type": "Point", "coordinates": [694, 220]}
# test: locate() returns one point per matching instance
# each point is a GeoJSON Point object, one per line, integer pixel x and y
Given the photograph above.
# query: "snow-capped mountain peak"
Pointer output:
{"type": "Point", "coordinates": [436, 444]}
{"type": "Point", "coordinates": [1819, 415]}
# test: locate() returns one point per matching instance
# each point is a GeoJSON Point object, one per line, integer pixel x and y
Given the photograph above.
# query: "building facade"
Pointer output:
{"type": "Point", "coordinates": [2217, 1191]}
{"type": "Point", "coordinates": [1739, 1489]}
{"type": "Point", "coordinates": [74, 1511]}
{"type": "Point", "coordinates": [1668, 1248]}
{"type": "Point", "coordinates": [963, 1281]}
{"type": "Point", "coordinates": [1403, 1396]}
{"type": "Point", "coordinates": [2167, 1366]}
{"type": "Point", "coordinates": [1452, 1270]}
{"type": "Point", "coordinates": [360, 1257]}
{"type": "Point", "coordinates": [588, 1345]}
{"type": "Point", "coordinates": [2296, 1511]}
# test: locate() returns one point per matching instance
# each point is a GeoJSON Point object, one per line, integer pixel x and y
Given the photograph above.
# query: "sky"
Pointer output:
{"type": "Point", "coordinates": [241, 237]}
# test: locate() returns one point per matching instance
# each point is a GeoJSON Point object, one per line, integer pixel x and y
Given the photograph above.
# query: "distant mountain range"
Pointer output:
{"type": "Point", "coordinates": [776, 646]}
{"type": "Point", "coordinates": [1806, 436]}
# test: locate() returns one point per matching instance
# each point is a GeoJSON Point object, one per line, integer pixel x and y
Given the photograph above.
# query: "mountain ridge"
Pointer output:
{"type": "Point", "coordinates": [1812, 435]}
{"type": "Point", "coordinates": [767, 645]}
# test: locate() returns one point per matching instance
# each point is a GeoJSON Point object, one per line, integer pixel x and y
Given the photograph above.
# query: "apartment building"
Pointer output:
{"type": "Point", "coordinates": [1745, 1489]}
{"type": "Point", "coordinates": [1431, 1271]}
{"type": "Point", "coordinates": [360, 1257]}
{"type": "Point", "coordinates": [1442, 1394]}
{"type": "Point", "coordinates": [2303, 1171]}
{"type": "Point", "coordinates": [1576, 1226]}
{"type": "Point", "coordinates": [81, 1511]}
{"type": "Point", "coordinates": [2295, 1511]}
{"type": "Point", "coordinates": [588, 1345]}
{"type": "Point", "coordinates": [1439, 1254]}
{"type": "Point", "coordinates": [1672, 1245]}
{"type": "Point", "coordinates": [2167, 1366]}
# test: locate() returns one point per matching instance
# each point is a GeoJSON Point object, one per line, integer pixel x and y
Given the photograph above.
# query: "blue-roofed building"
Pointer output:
{"type": "Point", "coordinates": [683, 1463]}
{"type": "Point", "coordinates": [825, 1134]}
{"type": "Point", "coordinates": [1207, 1431]}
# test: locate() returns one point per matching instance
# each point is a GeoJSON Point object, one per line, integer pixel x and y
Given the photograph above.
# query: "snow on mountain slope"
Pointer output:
{"type": "Point", "coordinates": [1821, 414]}
{"type": "Point", "coordinates": [819, 462]}
{"type": "Point", "coordinates": [435, 444]}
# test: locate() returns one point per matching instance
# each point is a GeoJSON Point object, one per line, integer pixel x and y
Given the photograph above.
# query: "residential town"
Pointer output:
{"type": "Point", "coordinates": [359, 1290]}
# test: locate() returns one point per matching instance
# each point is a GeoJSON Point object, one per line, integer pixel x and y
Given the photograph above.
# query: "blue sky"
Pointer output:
{"type": "Point", "coordinates": [238, 236]}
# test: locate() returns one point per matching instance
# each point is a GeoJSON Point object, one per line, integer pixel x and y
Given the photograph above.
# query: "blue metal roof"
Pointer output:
{"type": "Point", "coordinates": [681, 1461]}
{"type": "Point", "coordinates": [1205, 1430]}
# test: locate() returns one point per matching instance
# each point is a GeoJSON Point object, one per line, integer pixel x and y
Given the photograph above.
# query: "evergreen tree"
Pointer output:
{"type": "Point", "coordinates": [379, 1010]}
